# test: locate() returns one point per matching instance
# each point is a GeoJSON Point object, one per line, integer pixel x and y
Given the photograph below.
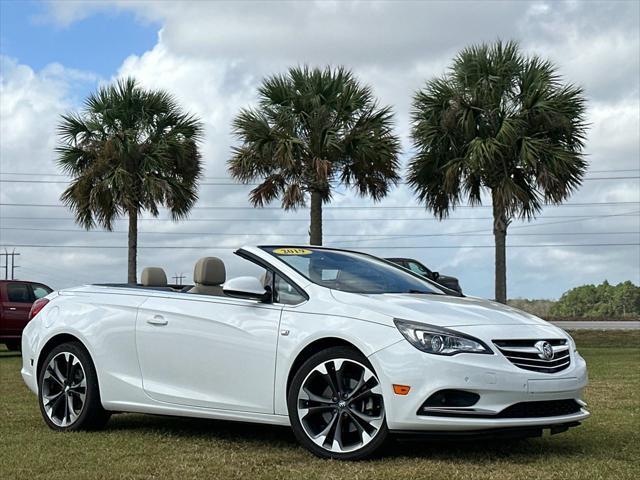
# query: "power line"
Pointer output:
{"type": "Point", "coordinates": [531, 225]}
{"type": "Point", "coordinates": [515, 227]}
{"type": "Point", "coordinates": [41, 174]}
{"type": "Point", "coordinates": [230, 184]}
{"type": "Point", "coordinates": [343, 207]}
{"type": "Point", "coordinates": [466, 233]}
{"type": "Point", "coordinates": [75, 279]}
{"type": "Point", "coordinates": [200, 247]}
{"type": "Point", "coordinates": [358, 219]}
{"type": "Point", "coordinates": [539, 245]}
{"type": "Point", "coordinates": [349, 235]}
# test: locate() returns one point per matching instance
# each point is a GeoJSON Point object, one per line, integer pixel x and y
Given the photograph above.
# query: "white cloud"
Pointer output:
{"type": "Point", "coordinates": [31, 103]}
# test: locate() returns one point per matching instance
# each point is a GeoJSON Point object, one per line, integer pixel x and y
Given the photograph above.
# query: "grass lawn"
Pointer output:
{"type": "Point", "coordinates": [606, 446]}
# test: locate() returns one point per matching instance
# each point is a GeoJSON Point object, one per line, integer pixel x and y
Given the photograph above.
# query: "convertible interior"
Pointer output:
{"type": "Point", "coordinates": [209, 274]}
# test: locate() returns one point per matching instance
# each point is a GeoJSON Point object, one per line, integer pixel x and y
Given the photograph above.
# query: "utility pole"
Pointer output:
{"type": "Point", "coordinates": [13, 264]}
{"type": "Point", "coordinates": [6, 264]}
{"type": "Point", "coordinates": [178, 278]}
{"type": "Point", "coordinates": [6, 256]}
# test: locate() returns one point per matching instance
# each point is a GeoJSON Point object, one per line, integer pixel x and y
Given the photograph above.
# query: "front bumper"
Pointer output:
{"type": "Point", "coordinates": [28, 369]}
{"type": "Point", "coordinates": [499, 383]}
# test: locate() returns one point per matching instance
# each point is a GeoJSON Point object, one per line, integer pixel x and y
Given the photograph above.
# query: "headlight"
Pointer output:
{"type": "Point", "coordinates": [439, 341]}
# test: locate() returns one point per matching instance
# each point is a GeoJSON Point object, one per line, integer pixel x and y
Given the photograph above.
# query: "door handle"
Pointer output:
{"type": "Point", "coordinates": [12, 308]}
{"type": "Point", "coordinates": [157, 320]}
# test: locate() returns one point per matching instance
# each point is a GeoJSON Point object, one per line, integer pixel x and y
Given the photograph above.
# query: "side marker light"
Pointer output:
{"type": "Point", "coordinates": [401, 389]}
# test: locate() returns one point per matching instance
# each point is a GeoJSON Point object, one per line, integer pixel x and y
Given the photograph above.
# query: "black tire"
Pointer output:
{"type": "Point", "coordinates": [367, 450]}
{"type": "Point", "coordinates": [91, 415]}
{"type": "Point", "coordinates": [14, 345]}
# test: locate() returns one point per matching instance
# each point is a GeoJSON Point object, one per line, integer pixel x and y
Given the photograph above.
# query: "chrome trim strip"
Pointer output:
{"type": "Point", "coordinates": [538, 368]}
{"type": "Point", "coordinates": [543, 362]}
{"type": "Point", "coordinates": [533, 350]}
{"type": "Point", "coordinates": [458, 410]}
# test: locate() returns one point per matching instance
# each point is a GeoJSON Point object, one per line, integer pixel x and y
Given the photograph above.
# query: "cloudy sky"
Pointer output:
{"type": "Point", "coordinates": [213, 55]}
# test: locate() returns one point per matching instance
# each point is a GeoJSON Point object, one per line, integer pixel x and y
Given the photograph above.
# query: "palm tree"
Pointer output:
{"type": "Point", "coordinates": [129, 150]}
{"type": "Point", "coordinates": [502, 123]}
{"type": "Point", "coordinates": [314, 129]}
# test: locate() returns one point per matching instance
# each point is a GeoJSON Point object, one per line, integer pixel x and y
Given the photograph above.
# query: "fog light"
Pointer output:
{"type": "Point", "coordinates": [452, 398]}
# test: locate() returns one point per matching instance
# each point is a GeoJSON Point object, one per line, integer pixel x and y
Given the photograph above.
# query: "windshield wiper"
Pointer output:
{"type": "Point", "coordinates": [418, 291]}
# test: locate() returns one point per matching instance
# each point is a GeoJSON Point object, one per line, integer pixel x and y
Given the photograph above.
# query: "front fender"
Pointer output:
{"type": "Point", "coordinates": [298, 330]}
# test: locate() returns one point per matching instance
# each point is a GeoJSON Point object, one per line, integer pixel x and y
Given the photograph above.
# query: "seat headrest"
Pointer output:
{"type": "Point", "coordinates": [153, 277]}
{"type": "Point", "coordinates": [209, 271]}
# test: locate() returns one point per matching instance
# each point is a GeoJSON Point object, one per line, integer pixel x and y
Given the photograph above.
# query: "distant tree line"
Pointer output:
{"type": "Point", "coordinates": [604, 301]}
{"type": "Point", "coordinates": [537, 307]}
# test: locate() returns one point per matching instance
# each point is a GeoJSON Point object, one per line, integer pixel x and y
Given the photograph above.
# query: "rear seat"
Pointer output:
{"type": "Point", "coordinates": [155, 278]}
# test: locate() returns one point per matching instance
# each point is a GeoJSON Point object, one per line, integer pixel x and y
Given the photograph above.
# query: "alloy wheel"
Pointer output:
{"type": "Point", "coordinates": [64, 389]}
{"type": "Point", "coordinates": [340, 405]}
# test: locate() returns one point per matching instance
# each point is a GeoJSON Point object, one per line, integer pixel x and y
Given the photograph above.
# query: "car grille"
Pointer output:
{"type": "Point", "coordinates": [524, 354]}
{"type": "Point", "coordinates": [551, 408]}
{"type": "Point", "coordinates": [537, 409]}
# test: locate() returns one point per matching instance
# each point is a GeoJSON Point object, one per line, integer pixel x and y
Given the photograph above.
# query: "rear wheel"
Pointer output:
{"type": "Point", "coordinates": [336, 406]}
{"type": "Point", "coordinates": [69, 395]}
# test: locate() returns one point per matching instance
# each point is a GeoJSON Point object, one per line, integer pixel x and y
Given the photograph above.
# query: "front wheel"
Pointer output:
{"type": "Point", "coordinates": [68, 391]}
{"type": "Point", "coordinates": [336, 406]}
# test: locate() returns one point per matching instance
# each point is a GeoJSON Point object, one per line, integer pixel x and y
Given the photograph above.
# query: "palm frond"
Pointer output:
{"type": "Point", "coordinates": [313, 127]}
{"type": "Point", "coordinates": [129, 149]}
{"type": "Point", "coordinates": [502, 122]}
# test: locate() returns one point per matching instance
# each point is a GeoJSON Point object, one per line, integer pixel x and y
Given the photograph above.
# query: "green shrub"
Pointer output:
{"type": "Point", "coordinates": [604, 300]}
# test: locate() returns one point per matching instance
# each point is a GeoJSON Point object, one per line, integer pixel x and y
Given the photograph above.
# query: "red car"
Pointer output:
{"type": "Point", "coordinates": [16, 298]}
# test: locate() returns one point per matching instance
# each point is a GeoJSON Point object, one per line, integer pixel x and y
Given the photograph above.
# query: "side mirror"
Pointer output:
{"type": "Point", "coordinates": [435, 275]}
{"type": "Point", "coordinates": [248, 288]}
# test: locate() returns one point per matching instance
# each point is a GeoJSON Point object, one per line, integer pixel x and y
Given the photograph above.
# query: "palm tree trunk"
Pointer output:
{"type": "Point", "coordinates": [132, 275]}
{"type": "Point", "coordinates": [315, 230]}
{"type": "Point", "coordinates": [500, 224]}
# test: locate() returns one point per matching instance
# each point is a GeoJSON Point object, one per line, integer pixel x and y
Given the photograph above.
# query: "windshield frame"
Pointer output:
{"type": "Point", "coordinates": [434, 288]}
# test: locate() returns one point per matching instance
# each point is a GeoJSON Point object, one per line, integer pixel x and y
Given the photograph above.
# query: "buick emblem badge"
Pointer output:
{"type": "Point", "coordinates": [545, 350]}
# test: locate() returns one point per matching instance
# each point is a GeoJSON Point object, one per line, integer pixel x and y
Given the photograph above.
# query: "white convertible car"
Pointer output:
{"type": "Point", "coordinates": [345, 347]}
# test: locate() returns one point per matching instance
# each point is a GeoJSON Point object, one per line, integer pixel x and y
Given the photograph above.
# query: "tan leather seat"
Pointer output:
{"type": "Point", "coordinates": [208, 275]}
{"type": "Point", "coordinates": [153, 277]}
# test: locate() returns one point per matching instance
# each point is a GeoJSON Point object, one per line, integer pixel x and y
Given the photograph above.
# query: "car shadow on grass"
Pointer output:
{"type": "Point", "coordinates": [199, 428]}
{"type": "Point", "coordinates": [260, 436]}
{"type": "Point", "coordinates": [482, 451]}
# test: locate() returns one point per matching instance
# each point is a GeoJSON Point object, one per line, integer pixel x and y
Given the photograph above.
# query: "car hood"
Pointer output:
{"type": "Point", "coordinates": [440, 310]}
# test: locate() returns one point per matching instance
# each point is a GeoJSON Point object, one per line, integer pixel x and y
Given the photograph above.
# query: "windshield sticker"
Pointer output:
{"type": "Point", "coordinates": [292, 251]}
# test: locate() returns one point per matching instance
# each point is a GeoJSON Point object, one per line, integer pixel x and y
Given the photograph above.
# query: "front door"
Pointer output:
{"type": "Point", "coordinates": [207, 351]}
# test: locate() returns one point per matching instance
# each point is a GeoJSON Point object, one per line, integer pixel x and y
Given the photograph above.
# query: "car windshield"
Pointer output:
{"type": "Point", "coordinates": [350, 271]}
